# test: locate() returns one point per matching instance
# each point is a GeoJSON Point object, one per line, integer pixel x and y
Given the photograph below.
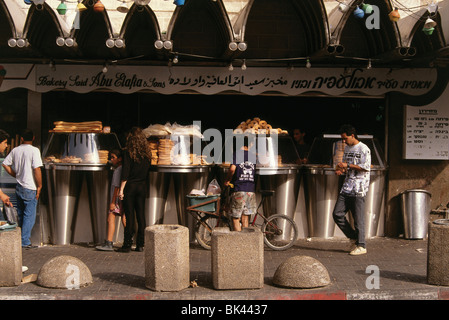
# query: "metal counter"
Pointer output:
{"type": "Point", "coordinates": [64, 190]}
{"type": "Point", "coordinates": [322, 185]}
{"type": "Point", "coordinates": [185, 178]}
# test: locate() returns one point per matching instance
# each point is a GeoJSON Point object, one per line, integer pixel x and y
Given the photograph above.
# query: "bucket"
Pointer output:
{"type": "Point", "coordinates": [415, 207]}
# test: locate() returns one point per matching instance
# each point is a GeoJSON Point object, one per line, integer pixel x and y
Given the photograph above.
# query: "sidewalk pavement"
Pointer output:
{"type": "Point", "coordinates": [121, 276]}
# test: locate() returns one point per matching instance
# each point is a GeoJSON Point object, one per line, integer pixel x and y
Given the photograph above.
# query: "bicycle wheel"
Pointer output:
{"type": "Point", "coordinates": [203, 235]}
{"type": "Point", "coordinates": [280, 232]}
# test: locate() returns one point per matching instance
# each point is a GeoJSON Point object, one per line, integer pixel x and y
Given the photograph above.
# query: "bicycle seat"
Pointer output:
{"type": "Point", "coordinates": [267, 193]}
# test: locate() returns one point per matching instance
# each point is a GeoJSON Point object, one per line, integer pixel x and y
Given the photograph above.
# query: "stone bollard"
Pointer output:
{"type": "Point", "coordinates": [167, 264]}
{"type": "Point", "coordinates": [64, 272]}
{"type": "Point", "coordinates": [237, 259]}
{"type": "Point", "coordinates": [438, 253]}
{"type": "Point", "coordinates": [301, 272]}
{"type": "Point", "coordinates": [10, 257]}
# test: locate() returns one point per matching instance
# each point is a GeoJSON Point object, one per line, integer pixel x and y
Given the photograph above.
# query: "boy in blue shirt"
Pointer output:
{"type": "Point", "coordinates": [242, 175]}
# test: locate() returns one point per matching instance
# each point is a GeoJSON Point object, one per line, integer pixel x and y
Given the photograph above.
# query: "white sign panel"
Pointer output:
{"type": "Point", "coordinates": [427, 132]}
{"type": "Point", "coordinates": [213, 80]}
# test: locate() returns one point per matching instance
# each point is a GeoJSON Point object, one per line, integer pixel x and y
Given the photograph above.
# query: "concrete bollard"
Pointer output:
{"type": "Point", "coordinates": [64, 272]}
{"type": "Point", "coordinates": [10, 257]}
{"type": "Point", "coordinates": [167, 264]}
{"type": "Point", "coordinates": [237, 259]}
{"type": "Point", "coordinates": [438, 253]}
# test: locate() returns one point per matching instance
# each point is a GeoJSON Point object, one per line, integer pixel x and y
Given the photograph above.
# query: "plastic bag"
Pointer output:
{"type": "Point", "coordinates": [11, 214]}
{"type": "Point", "coordinates": [213, 188]}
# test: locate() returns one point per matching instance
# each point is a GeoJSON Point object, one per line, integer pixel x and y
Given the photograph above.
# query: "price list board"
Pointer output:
{"type": "Point", "coordinates": [426, 133]}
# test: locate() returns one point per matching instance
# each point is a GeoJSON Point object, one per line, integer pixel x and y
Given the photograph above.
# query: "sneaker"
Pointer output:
{"type": "Point", "coordinates": [107, 246]}
{"type": "Point", "coordinates": [30, 246]}
{"type": "Point", "coordinates": [358, 251]}
{"type": "Point", "coordinates": [124, 249]}
{"type": "Point", "coordinates": [24, 268]}
{"type": "Point", "coordinates": [352, 245]}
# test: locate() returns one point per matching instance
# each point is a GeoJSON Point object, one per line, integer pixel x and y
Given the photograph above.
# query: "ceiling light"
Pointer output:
{"type": "Point", "coordinates": [158, 44]}
{"type": "Point", "coordinates": [168, 44]}
{"type": "Point", "coordinates": [110, 43]}
{"type": "Point", "coordinates": [232, 46]}
{"type": "Point", "coordinates": [12, 42]}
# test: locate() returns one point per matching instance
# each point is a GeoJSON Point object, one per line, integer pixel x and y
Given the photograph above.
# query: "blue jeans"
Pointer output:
{"type": "Point", "coordinates": [26, 211]}
{"type": "Point", "coordinates": [357, 207]}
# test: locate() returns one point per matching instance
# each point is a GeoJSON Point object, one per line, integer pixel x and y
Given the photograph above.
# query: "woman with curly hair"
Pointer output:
{"type": "Point", "coordinates": [133, 187]}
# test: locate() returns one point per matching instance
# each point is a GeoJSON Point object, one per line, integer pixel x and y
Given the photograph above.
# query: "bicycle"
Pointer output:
{"type": "Point", "coordinates": [279, 231]}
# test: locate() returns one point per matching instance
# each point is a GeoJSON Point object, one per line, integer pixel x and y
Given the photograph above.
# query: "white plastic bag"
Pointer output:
{"type": "Point", "coordinates": [213, 188]}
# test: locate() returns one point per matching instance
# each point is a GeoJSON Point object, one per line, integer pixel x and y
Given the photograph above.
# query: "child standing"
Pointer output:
{"type": "Point", "coordinates": [115, 207]}
{"type": "Point", "coordinates": [242, 175]}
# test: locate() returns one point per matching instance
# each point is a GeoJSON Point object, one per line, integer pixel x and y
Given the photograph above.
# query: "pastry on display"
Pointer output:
{"type": "Point", "coordinates": [258, 126]}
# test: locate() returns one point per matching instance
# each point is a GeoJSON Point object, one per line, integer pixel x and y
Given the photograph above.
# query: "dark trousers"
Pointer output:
{"type": "Point", "coordinates": [134, 207]}
{"type": "Point", "coordinates": [357, 207]}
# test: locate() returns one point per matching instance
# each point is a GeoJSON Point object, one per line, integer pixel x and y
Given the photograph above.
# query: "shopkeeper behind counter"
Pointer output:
{"type": "Point", "coordinates": [300, 144]}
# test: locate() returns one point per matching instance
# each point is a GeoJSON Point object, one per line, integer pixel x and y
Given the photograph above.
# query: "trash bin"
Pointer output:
{"type": "Point", "coordinates": [415, 206]}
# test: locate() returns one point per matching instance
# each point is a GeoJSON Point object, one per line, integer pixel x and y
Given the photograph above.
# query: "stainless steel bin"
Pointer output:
{"type": "Point", "coordinates": [415, 207]}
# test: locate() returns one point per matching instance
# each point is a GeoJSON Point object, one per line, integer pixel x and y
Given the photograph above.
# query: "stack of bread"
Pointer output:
{"type": "Point", "coordinates": [164, 151]}
{"type": "Point", "coordinates": [258, 126]}
{"type": "Point", "coordinates": [103, 156]}
{"type": "Point", "coordinates": [88, 126]}
{"type": "Point", "coordinates": [153, 148]}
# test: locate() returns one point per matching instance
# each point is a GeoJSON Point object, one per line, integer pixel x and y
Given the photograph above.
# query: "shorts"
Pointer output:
{"type": "Point", "coordinates": [242, 203]}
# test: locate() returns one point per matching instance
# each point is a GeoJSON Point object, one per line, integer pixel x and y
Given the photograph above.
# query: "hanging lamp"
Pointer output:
{"type": "Point", "coordinates": [429, 23]}
{"type": "Point", "coordinates": [98, 6]}
{"type": "Point", "coordinates": [179, 2]}
{"type": "Point", "coordinates": [367, 8]}
{"type": "Point", "coordinates": [394, 15]}
{"type": "Point", "coordinates": [62, 8]}
{"type": "Point", "coordinates": [359, 13]}
{"type": "Point", "coordinates": [123, 7]}
{"type": "Point", "coordinates": [80, 6]}
{"type": "Point", "coordinates": [428, 31]}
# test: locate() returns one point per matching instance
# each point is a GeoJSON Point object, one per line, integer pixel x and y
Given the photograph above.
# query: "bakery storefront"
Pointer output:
{"type": "Point", "coordinates": [211, 65]}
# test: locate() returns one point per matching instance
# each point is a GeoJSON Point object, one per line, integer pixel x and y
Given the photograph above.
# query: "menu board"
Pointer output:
{"type": "Point", "coordinates": [426, 132]}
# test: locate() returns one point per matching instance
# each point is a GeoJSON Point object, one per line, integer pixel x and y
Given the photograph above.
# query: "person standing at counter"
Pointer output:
{"type": "Point", "coordinates": [242, 175]}
{"type": "Point", "coordinates": [356, 164]}
{"type": "Point", "coordinates": [115, 207]}
{"type": "Point", "coordinates": [24, 163]}
{"type": "Point", "coordinates": [300, 144]}
{"type": "Point", "coordinates": [4, 136]}
{"type": "Point", "coordinates": [135, 169]}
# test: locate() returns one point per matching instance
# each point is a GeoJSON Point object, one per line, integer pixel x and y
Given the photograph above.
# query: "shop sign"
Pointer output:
{"type": "Point", "coordinates": [426, 130]}
{"type": "Point", "coordinates": [212, 80]}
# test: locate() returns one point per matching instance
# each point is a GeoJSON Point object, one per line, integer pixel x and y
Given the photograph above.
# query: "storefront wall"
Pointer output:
{"type": "Point", "coordinates": [382, 116]}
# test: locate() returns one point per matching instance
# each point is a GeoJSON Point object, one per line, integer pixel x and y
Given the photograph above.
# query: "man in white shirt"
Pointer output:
{"type": "Point", "coordinates": [356, 163]}
{"type": "Point", "coordinates": [24, 163]}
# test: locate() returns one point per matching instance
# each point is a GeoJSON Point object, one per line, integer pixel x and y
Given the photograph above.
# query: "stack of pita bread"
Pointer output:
{"type": "Point", "coordinates": [153, 148]}
{"type": "Point", "coordinates": [87, 126]}
{"type": "Point", "coordinates": [164, 151]}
